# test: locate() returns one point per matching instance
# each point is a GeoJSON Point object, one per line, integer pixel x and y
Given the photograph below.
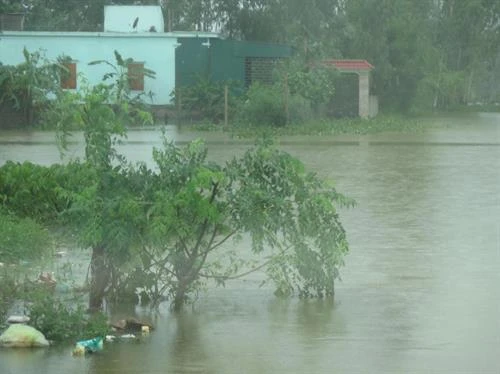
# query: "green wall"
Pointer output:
{"type": "Point", "coordinates": [223, 60]}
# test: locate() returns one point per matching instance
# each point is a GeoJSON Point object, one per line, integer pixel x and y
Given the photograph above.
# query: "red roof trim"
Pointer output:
{"type": "Point", "coordinates": [350, 64]}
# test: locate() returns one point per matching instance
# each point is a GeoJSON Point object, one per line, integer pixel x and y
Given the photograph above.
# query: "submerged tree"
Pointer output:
{"type": "Point", "coordinates": [197, 206]}
{"type": "Point", "coordinates": [178, 218]}
{"type": "Point", "coordinates": [102, 112]}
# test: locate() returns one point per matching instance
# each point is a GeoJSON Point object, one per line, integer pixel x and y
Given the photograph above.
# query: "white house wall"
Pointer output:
{"type": "Point", "coordinates": [156, 50]}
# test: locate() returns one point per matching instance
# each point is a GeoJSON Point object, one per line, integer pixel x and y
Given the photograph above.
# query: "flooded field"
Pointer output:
{"type": "Point", "coordinates": [420, 291]}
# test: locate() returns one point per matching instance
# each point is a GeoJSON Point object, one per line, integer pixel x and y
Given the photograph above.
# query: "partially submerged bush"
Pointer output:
{"type": "Point", "coordinates": [8, 291]}
{"type": "Point", "coordinates": [59, 321]}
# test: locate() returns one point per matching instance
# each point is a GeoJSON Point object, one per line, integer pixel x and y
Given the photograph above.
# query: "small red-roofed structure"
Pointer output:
{"type": "Point", "coordinates": [350, 65]}
{"type": "Point", "coordinates": [368, 105]}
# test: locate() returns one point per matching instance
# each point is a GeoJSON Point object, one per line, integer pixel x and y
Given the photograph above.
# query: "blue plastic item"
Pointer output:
{"type": "Point", "coordinates": [91, 345]}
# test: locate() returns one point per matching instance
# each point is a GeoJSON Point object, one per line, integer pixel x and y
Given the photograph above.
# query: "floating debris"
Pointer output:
{"type": "Point", "coordinates": [88, 346]}
{"type": "Point", "coordinates": [127, 336]}
{"type": "Point", "coordinates": [18, 319]}
{"type": "Point", "coordinates": [22, 336]}
{"type": "Point", "coordinates": [110, 338]}
{"type": "Point", "coordinates": [47, 278]}
{"type": "Point", "coordinates": [131, 325]}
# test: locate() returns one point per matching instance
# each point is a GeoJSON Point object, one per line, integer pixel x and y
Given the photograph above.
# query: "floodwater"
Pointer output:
{"type": "Point", "coordinates": [420, 292]}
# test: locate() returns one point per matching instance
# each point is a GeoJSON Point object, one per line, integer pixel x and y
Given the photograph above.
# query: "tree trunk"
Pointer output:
{"type": "Point", "coordinates": [468, 89]}
{"type": "Point", "coordinates": [99, 278]}
{"type": "Point", "coordinates": [180, 295]}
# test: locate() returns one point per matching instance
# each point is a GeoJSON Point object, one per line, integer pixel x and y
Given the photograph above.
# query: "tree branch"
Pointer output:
{"type": "Point", "coordinates": [223, 240]}
{"type": "Point", "coordinates": [227, 277]}
{"type": "Point", "coordinates": [205, 223]}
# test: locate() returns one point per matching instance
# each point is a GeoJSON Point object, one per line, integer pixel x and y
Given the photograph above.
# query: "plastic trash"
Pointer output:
{"type": "Point", "coordinates": [47, 279]}
{"type": "Point", "coordinates": [18, 319]}
{"type": "Point", "coordinates": [127, 336]}
{"type": "Point", "coordinates": [22, 336]}
{"type": "Point", "coordinates": [110, 338]}
{"type": "Point", "coordinates": [78, 350]}
{"type": "Point", "coordinates": [88, 346]}
{"type": "Point", "coordinates": [130, 325]}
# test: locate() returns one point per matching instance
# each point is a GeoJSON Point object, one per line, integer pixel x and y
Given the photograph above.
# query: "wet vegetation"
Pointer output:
{"type": "Point", "coordinates": [344, 126]}
{"type": "Point", "coordinates": [162, 233]}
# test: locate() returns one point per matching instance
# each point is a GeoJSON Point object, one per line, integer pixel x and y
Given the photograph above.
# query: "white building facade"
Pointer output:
{"type": "Point", "coordinates": [155, 50]}
{"type": "Point", "coordinates": [135, 32]}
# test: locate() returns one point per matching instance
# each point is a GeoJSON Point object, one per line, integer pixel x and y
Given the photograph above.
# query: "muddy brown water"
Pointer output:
{"type": "Point", "coordinates": [420, 292]}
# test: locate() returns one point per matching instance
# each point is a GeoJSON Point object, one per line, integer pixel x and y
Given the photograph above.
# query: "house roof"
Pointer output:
{"type": "Point", "coordinates": [350, 64]}
{"type": "Point", "coordinates": [97, 34]}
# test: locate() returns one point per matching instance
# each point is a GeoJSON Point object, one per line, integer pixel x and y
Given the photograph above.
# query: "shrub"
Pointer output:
{"type": "Point", "coordinates": [28, 85]}
{"type": "Point", "coordinates": [204, 100]}
{"type": "Point", "coordinates": [300, 110]}
{"type": "Point", "coordinates": [8, 290]}
{"type": "Point", "coordinates": [59, 321]}
{"type": "Point", "coordinates": [21, 238]}
{"type": "Point", "coordinates": [264, 106]}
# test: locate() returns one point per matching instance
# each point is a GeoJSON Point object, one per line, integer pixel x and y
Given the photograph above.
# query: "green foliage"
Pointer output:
{"type": "Point", "coordinates": [29, 85]}
{"type": "Point", "coordinates": [40, 192]}
{"type": "Point", "coordinates": [178, 215]}
{"type": "Point", "coordinates": [408, 41]}
{"type": "Point", "coordinates": [100, 214]}
{"type": "Point", "coordinates": [9, 291]}
{"type": "Point", "coordinates": [119, 88]}
{"type": "Point", "coordinates": [427, 54]}
{"type": "Point", "coordinates": [197, 206]}
{"type": "Point", "coordinates": [296, 97]}
{"type": "Point", "coordinates": [264, 106]}
{"type": "Point", "coordinates": [70, 15]}
{"type": "Point", "coordinates": [205, 99]}
{"type": "Point", "coordinates": [102, 111]}
{"type": "Point", "coordinates": [175, 219]}
{"type": "Point", "coordinates": [313, 82]}
{"type": "Point", "coordinates": [11, 6]}
{"type": "Point", "coordinates": [352, 126]}
{"type": "Point", "coordinates": [60, 322]}
{"type": "Point", "coordinates": [293, 212]}
{"type": "Point", "coordinates": [21, 239]}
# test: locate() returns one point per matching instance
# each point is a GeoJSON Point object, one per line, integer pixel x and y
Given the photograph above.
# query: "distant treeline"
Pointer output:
{"type": "Point", "coordinates": [427, 53]}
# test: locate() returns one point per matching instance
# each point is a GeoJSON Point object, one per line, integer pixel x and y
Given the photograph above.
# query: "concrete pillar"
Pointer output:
{"type": "Point", "coordinates": [364, 94]}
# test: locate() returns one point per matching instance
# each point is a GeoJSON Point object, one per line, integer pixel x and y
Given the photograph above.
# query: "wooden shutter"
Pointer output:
{"type": "Point", "coordinates": [136, 76]}
{"type": "Point", "coordinates": [68, 77]}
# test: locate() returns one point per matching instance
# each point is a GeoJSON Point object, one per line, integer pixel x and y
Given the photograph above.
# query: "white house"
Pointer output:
{"type": "Point", "coordinates": [155, 50]}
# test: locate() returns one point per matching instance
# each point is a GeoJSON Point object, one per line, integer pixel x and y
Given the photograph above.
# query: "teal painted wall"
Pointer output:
{"type": "Point", "coordinates": [156, 50]}
{"type": "Point", "coordinates": [223, 60]}
{"type": "Point", "coordinates": [191, 61]}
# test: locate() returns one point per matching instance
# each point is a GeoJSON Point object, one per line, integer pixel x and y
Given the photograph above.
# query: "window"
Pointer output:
{"type": "Point", "coordinates": [259, 69]}
{"type": "Point", "coordinates": [136, 76]}
{"type": "Point", "coordinates": [68, 75]}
